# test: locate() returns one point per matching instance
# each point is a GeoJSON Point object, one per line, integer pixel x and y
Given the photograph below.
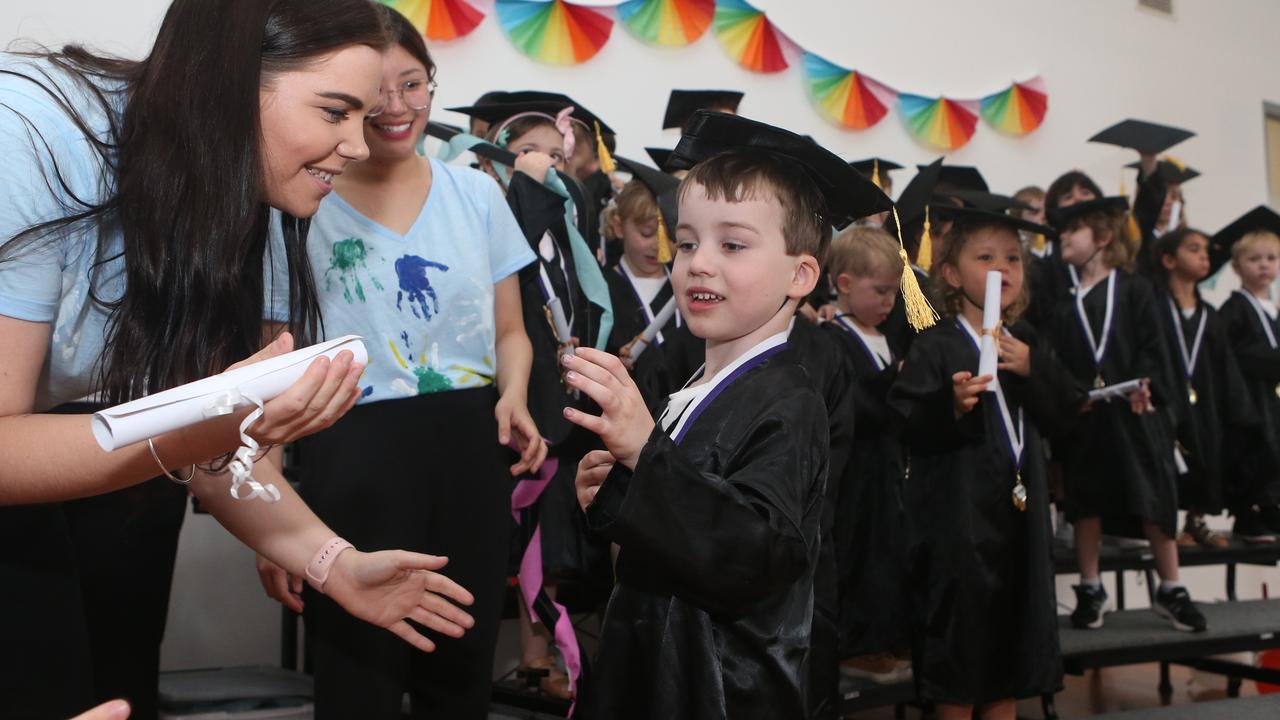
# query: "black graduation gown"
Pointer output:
{"type": "Point", "coordinates": [710, 616]}
{"type": "Point", "coordinates": [1048, 284]}
{"type": "Point", "coordinates": [1254, 469]}
{"type": "Point", "coordinates": [1117, 465]}
{"type": "Point", "coordinates": [629, 320]}
{"type": "Point", "coordinates": [567, 552]}
{"type": "Point", "coordinates": [1147, 204]}
{"type": "Point", "coordinates": [867, 496]}
{"type": "Point", "coordinates": [831, 375]}
{"type": "Point", "coordinates": [986, 621]}
{"type": "Point", "coordinates": [1222, 406]}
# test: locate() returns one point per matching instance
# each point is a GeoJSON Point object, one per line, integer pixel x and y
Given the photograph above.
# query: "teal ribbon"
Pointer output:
{"type": "Point", "coordinates": [590, 277]}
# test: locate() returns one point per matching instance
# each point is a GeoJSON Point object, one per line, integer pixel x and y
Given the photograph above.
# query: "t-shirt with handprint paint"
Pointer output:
{"type": "Point", "coordinates": [423, 301]}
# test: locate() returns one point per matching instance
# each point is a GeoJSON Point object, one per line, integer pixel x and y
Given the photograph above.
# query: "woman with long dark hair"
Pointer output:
{"type": "Point", "coordinates": [421, 259]}
{"type": "Point", "coordinates": [134, 230]}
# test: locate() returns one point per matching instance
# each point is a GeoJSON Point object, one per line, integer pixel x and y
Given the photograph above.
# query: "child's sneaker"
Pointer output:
{"type": "Point", "coordinates": [1199, 533]}
{"type": "Point", "coordinates": [1091, 604]}
{"type": "Point", "coordinates": [1175, 605]}
{"type": "Point", "coordinates": [1250, 528]}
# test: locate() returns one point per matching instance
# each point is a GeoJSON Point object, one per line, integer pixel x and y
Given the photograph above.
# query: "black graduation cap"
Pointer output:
{"type": "Point", "coordinates": [979, 214]}
{"type": "Point", "coordinates": [663, 186]}
{"type": "Point", "coordinates": [1146, 137]}
{"type": "Point", "coordinates": [1171, 172]}
{"type": "Point", "coordinates": [508, 104]}
{"type": "Point", "coordinates": [918, 193]}
{"type": "Point", "coordinates": [1060, 217]}
{"type": "Point", "coordinates": [866, 167]}
{"type": "Point", "coordinates": [984, 200]}
{"type": "Point", "coordinates": [961, 177]}
{"type": "Point", "coordinates": [684, 103]}
{"type": "Point", "coordinates": [1259, 218]}
{"type": "Point", "coordinates": [660, 156]}
{"type": "Point", "coordinates": [847, 193]}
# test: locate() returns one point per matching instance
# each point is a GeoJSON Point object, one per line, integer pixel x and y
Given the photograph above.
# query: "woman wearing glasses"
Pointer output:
{"type": "Point", "coordinates": [420, 258]}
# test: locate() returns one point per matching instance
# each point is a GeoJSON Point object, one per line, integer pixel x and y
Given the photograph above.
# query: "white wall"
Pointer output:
{"type": "Point", "coordinates": [1209, 68]}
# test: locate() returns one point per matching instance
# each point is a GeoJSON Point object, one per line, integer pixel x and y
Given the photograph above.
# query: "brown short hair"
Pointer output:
{"type": "Point", "coordinates": [1119, 253]}
{"type": "Point", "coordinates": [1028, 194]}
{"type": "Point", "coordinates": [737, 175]}
{"type": "Point", "coordinates": [862, 251]}
{"type": "Point", "coordinates": [948, 252]}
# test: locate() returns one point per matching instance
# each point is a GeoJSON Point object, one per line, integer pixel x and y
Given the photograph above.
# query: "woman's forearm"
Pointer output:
{"type": "Point", "coordinates": [49, 457]}
{"type": "Point", "coordinates": [515, 360]}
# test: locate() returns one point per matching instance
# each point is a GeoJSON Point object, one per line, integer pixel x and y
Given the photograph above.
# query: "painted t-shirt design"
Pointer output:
{"type": "Point", "coordinates": [412, 272]}
{"type": "Point", "coordinates": [349, 259]}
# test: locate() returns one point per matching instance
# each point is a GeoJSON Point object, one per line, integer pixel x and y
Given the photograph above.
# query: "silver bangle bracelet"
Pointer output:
{"type": "Point", "coordinates": [163, 469]}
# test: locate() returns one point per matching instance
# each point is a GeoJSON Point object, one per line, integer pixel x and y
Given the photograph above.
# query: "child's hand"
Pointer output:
{"type": "Point", "coordinates": [534, 164]}
{"type": "Point", "coordinates": [624, 354]}
{"type": "Point", "coordinates": [1015, 356]}
{"type": "Point", "coordinates": [1140, 399]}
{"type": "Point", "coordinates": [828, 312]}
{"type": "Point", "coordinates": [592, 470]}
{"type": "Point", "coordinates": [625, 423]}
{"type": "Point", "coordinates": [967, 389]}
{"type": "Point", "coordinates": [514, 422]}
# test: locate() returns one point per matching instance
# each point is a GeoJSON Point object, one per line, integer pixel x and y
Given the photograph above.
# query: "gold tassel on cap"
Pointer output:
{"type": "Point", "coordinates": [664, 241]}
{"type": "Point", "coordinates": [607, 165]}
{"type": "Point", "coordinates": [875, 173]}
{"type": "Point", "coordinates": [1182, 167]}
{"type": "Point", "coordinates": [1039, 242]}
{"type": "Point", "coordinates": [924, 253]}
{"type": "Point", "coordinates": [920, 314]}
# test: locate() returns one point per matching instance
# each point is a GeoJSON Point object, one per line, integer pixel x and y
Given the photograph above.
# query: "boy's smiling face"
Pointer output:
{"type": "Point", "coordinates": [732, 272]}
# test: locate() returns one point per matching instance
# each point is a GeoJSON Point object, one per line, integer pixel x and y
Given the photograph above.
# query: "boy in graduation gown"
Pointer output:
{"type": "Point", "coordinates": [717, 506]}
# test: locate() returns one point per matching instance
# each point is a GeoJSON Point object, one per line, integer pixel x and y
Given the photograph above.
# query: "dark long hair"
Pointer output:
{"type": "Point", "coordinates": [1168, 245]}
{"type": "Point", "coordinates": [1067, 182]}
{"type": "Point", "coordinates": [184, 182]}
{"type": "Point", "coordinates": [404, 34]}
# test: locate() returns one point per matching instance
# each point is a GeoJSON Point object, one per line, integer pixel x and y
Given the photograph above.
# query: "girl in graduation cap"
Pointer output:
{"type": "Point", "coordinates": [975, 491]}
{"type": "Point", "coordinates": [1119, 461]}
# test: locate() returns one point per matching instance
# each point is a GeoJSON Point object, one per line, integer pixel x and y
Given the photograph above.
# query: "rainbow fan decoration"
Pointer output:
{"type": "Point", "coordinates": [439, 19]}
{"type": "Point", "coordinates": [554, 31]}
{"type": "Point", "coordinates": [846, 96]}
{"type": "Point", "coordinates": [749, 37]}
{"type": "Point", "coordinates": [673, 23]}
{"type": "Point", "coordinates": [1019, 109]}
{"type": "Point", "coordinates": [942, 123]}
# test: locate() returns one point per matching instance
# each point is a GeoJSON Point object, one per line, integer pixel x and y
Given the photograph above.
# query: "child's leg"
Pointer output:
{"type": "Point", "coordinates": [954, 712]}
{"type": "Point", "coordinates": [1006, 709]}
{"type": "Point", "coordinates": [1088, 542]}
{"type": "Point", "coordinates": [533, 645]}
{"type": "Point", "coordinates": [1165, 550]}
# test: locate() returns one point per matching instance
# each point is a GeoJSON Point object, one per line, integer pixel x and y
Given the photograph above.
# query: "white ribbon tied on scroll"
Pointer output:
{"type": "Point", "coordinates": [988, 354]}
{"type": "Point", "coordinates": [195, 402]}
{"type": "Point", "coordinates": [652, 329]}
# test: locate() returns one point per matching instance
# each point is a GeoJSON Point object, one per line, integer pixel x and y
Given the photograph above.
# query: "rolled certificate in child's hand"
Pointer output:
{"type": "Point", "coordinates": [561, 324]}
{"type": "Point", "coordinates": [1118, 391]}
{"type": "Point", "coordinates": [651, 331]}
{"type": "Point", "coordinates": [989, 355]}
{"type": "Point", "coordinates": [1175, 214]}
{"type": "Point", "coordinates": [197, 401]}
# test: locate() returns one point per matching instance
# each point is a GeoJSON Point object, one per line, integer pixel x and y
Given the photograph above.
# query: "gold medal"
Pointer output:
{"type": "Point", "coordinates": [1020, 494]}
{"type": "Point", "coordinates": [1099, 383]}
{"type": "Point", "coordinates": [1278, 390]}
{"type": "Point", "coordinates": [1191, 394]}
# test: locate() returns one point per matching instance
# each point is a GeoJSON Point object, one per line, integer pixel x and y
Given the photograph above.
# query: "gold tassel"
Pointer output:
{"type": "Point", "coordinates": [664, 241]}
{"type": "Point", "coordinates": [924, 254]}
{"type": "Point", "coordinates": [1182, 167]}
{"type": "Point", "coordinates": [875, 173]}
{"type": "Point", "coordinates": [920, 314]}
{"type": "Point", "coordinates": [1039, 242]}
{"type": "Point", "coordinates": [607, 165]}
{"type": "Point", "coordinates": [1132, 233]}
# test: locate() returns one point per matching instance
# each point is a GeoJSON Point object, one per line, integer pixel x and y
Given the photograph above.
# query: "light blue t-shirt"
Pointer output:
{"type": "Point", "coordinates": [423, 301]}
{"type": "Point", "coordinates": [49, 280]}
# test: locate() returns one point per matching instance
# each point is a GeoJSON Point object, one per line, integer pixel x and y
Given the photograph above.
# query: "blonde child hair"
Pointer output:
{"type": "Point", "coordinates": [1251, 240]}
{"type": "Point", "coordinates": [862, 251]}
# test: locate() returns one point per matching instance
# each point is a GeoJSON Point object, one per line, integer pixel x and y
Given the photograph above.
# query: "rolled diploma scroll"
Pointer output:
{"type": "Point", "coordinates": [1175, 214]}
{"type": "Point", "coordinates": [1119, 390]}
{"type": "Point", "coordinates": [563, 334]}
{"type": "Point", "coordinates": [651, 331]}
{"type": "Point", "coordinates": [988, 357]}
{"type": "Point", "coordinates": [195, 402]}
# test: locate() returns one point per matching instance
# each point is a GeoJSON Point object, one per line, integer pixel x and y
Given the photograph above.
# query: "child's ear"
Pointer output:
{"type": "Point", "coordinates": [1169, 262]}
{"type": "Point", "coordinates": [805, 277]}
{"type": "Point", "coordinates": [615, 225]}
{"type": "Point", "coordinates": [843, 283]}
{"type": "Point", "coordinates": [951, 275]}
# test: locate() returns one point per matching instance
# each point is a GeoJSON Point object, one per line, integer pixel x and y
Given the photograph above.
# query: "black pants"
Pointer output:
{"type": "Point", "coordinates": [424, 474]}
{"type": "Point", "coordinates": [84, 592]}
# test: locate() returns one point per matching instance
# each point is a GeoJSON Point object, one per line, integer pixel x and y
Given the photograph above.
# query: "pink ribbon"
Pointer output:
{"type": "Point", "coordinates": [526, 493]}
{"type": "Point", "coordinates": [564, 123]}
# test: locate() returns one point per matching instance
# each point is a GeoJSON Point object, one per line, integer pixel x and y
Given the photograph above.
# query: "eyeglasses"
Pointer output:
{"type": "Point", "coordinates": [414, 94]}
